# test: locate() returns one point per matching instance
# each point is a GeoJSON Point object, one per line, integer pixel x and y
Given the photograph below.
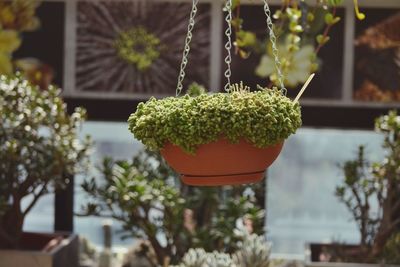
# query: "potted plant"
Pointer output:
{"type": "Point", "coordinates": [39, 150]}
{"type": "Point", "coordinates": [232, 137]}
{"type": "Point", "coordinates": [252, 251]}
{"type": "Point", "coordinates": [365, 186]}
{"type": "Point", "coordinates": [220, 138]}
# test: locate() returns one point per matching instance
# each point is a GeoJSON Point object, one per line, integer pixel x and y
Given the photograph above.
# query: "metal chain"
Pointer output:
{"type": "Point", "coordinates": [228, 45]}
{"type": "Point", "coordinates": [186, 49]}
{"type": "Point", "coordinates": [272, 38]}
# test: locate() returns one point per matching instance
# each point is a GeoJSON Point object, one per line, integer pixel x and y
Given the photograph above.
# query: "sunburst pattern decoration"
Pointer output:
{"type": "Point", "coordinates": [136, 47]}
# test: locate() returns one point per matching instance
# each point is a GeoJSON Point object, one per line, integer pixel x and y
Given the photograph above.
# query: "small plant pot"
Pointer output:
{"type": "Point", "coordinates": [221, 162]}
{"type": "Point", "coordinates": [322, 255]}
{"type": "Point", "coordinates": [43, 250]}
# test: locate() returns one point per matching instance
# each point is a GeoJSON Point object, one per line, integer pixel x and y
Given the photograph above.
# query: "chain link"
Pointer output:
{"type": "Point", "coordinates": [272, 38]}
{"type": "Point", "coordinates": [186, 49]}
{"type": "Point", "coordinates": [228, 45]}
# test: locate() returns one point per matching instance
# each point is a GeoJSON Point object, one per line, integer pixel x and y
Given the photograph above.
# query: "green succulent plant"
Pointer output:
{"type": "Point", "coordinates": [194, 258]}
{"type": "Point", "coordinates": [253, 251]}
{"type": "Point", "coordinates": [263, 118]}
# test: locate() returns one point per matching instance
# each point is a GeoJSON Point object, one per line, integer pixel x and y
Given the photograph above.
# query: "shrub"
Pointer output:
{"type": "Point", "coordinates": [144, 196]}
{"type": "Point", "coordinates": [367, 183]}
{"type": "Point", "coordinates": [39, 149]}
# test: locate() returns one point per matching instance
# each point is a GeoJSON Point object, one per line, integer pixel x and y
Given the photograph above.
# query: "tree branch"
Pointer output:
{"type": "Point", "coordinates": [326, 32]}
{"type": "Point", "coordinates": [396, 207]}
{"type": "Point", "coordinates": [35, 199]}
{"type": "Point", "coordinates": [24, 186]}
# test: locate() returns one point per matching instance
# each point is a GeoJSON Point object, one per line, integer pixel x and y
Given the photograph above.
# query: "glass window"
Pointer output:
{"type": "Point", "coordinates": [301, 204]}
{"type": "Point", "coordinates": [111, 139]}
{"type": "Point", "coordinates": [41, 217]}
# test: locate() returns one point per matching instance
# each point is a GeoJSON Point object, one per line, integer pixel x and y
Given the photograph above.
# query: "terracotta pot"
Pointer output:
{"type": "Point", "coordinates": [221, 162]}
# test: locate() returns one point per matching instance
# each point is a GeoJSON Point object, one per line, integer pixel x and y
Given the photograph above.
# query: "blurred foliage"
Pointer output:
{"type": "Point", "coordinates": [17, 17]}
{"type": "Point", "coordinates": [302, 29]}
{"type": "Point", "coordinates": [391, 252]}
{"type": "Point", "coordinates": [39, 148]}
{"type": "Point", "coordinates": [146, 196]}
{"type": "Point", "coordinates": [195, 89]}
{"type": "Point", "coordinates": [366, 184]}
{"type": "Point", "coordinates": [254, 251]}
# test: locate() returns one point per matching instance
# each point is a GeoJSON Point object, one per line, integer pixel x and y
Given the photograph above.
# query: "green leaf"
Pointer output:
{"type": "Point", "coordinates": [237, 22]}
{"type": "Point", "coordinates": [293, 13]}
{"type": "Point", "coordinates": [245, 39]}
{"type": "Point", "coordinates": [294, 27]}
{"type": "Point", "coordinates": [329, 18]}
{"type": "Point", "coordinates": [278, 14]}
{"type": "Point", "coordinates": [235, 4]}
{"type": "Point", "coordinates": [244, 54]}
{"type": "Point", "coordinates": [321, 39]}
{"type": "Point", "coordinates": [336, 20]}
{"type": "Point", "coordinates": [293, 38]}
{"type": "Point", "coordinates": [310, 17]}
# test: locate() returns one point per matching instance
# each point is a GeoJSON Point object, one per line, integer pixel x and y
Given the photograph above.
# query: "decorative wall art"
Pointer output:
{"type": "Point", "coordinates": [134, 48]}
{"type": "Point", "coordinates": [377, 57]}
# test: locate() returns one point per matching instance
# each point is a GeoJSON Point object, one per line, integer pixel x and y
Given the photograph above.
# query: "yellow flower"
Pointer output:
{"type": "Point", "coordinates": [19, 15]}
{"type": "Point", "coordinates": [9, 41]}
{"type": "Point", "coordinates": [5, 64]}
{"type": "Point", "coordinates": [7, 16]}
{"type": "Point", "coordinates": [296, 70]}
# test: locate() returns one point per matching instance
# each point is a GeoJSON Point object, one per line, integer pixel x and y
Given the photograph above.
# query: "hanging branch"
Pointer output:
{"type": "Point", "coordinates": [359, 15]}
{"type": "Point", "coordinates": [330, 20]}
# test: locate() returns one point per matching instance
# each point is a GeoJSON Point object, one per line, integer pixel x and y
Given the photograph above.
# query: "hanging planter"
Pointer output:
{"type": "Point", "coordinates": [220, 138]}
{"type": "Point", "coordinates": [221, 162]}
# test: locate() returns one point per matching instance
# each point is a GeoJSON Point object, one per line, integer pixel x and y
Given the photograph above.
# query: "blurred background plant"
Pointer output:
{"type": "Point", "coordinates": [366, 183]}
{"type": "Point", "coordinates": [302, 29]}
{"type": "Point", "coordinates": [254, 251]}
{"type": "Point", "coordinates": [39, 150]}
{"type": "Point", "coordinates": [146, 196]}
{"type": "Point", "coordinates": [16, 18]}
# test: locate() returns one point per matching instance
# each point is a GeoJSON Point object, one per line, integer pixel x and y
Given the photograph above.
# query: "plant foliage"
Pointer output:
{"type": "Point", "coordinates": [264, 118]}
{"type": "Point", "coordinates": [367, 183]}
{"type": "Point", "coordinates": [39, 148]}
{"type": "Point", "coordinates": [254, 251]}
{"type": "Point", "coordinates": [145, 196]}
